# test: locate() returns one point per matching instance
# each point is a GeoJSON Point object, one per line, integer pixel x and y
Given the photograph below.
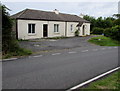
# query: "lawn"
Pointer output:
{"type": "Point", "coordinates": [104, 41]}
{"type": "Point", "coordinates": [111, 81]}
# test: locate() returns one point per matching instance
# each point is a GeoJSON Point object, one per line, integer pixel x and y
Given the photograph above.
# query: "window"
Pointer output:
{"type": "Point", "coordinates": [31, 28]}
{"type": "Point", "coordinates": [56, 27]}
{"type": "Point", "coordinates": [71, 27]}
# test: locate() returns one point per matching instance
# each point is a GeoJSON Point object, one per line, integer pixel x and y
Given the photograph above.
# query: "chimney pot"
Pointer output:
{"type": "Point", "coordinates": [56, 11]}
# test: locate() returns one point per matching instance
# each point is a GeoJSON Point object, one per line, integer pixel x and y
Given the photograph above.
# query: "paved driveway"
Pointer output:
{"type": "Point", "coordinates": [58, 44]}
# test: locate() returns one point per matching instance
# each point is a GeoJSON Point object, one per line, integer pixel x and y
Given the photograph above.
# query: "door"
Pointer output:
{"type": "Point", "coordinates": [45, 30]}
{"type": "Point", "coordinates": [83, 30]}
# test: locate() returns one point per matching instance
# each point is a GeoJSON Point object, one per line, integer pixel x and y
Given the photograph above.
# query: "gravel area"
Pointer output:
{"type": "Point", "coordinates": [37, 45]}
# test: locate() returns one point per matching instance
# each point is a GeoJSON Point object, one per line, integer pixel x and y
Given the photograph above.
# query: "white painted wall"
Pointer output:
{"type": "Point", "coordinates": [69, 32]}
{"type": "Point", "coordinates": [87, 29]}
{"type": "Point", "coordinates": [23, 29]}
{"type": "Point", "coordinates": [51, 32]}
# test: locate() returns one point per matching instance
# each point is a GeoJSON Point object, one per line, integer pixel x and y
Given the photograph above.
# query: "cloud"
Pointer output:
{"type": "Point", "coordinates": [98, 8]}
{"type": "Point", "coordinates": [90, 8]}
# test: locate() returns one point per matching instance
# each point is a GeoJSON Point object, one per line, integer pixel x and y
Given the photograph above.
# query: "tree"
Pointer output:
{"type": "Point", "coordinates": [117, 16]}
{"type": "Point", "coordinates": [92, 21]}
{"type": "Point", "coordinates": [9, 42]}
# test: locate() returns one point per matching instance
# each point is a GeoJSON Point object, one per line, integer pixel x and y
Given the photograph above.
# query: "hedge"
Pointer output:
{"type": "Point", "coordinates": [113, 32]}
{"type": "Point", "coordinates": [97, 30]}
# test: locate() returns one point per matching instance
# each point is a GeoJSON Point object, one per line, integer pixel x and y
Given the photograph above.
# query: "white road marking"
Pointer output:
{"type": "Point", "coordinates": [56, 54]}
{"type": "Point", "coordinates": [30, 56]}
{"type": "Point", "coordinates": [103, 48]}
{"type": "Point", "coordinates": [72, 52]}
{"type": "Point", "coordinates": [10, 59]}
{"type": "Point", "coordinates": [38, 56]}
{"type": "Point", "coordinates": [95, 49]}
{"type": "Point", "coordinates": [109, 47]}
{"type": "Point", "coordinates": [84, 50]}
{"type": "Point", "coordinates": [52, 40]}
{"type": "Point", "coordinates": [115, 47]}
{"type": "Point", "coordinates": [93, 79]}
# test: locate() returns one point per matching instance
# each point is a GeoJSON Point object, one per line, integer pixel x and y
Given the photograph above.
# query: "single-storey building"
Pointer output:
{"type": "Point", "coordinates": [31, 24]}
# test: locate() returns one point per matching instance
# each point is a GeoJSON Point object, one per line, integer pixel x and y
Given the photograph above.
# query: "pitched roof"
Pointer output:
{"type": "Point", "coordinates": [45, 15]}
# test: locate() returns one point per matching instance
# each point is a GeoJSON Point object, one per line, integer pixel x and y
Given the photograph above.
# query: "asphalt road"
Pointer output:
{"type": "Point", "coordinates": [60, 70]}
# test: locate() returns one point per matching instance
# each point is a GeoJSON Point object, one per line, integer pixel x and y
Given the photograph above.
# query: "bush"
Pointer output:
{"type": "Point", "coordinates": [107, 32]}
{"type": "Point", "coordinates": [77, 33]}
{"type": "Point", "coordinates": [97, 30]}
{"type": "Point", "coordinates": [115, 32]}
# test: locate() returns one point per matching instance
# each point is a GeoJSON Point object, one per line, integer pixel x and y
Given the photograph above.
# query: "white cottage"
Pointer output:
{"type": "Point", "coordinates": [31, 24]}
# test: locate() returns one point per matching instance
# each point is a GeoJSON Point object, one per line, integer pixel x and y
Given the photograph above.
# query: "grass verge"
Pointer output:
{"type": "Point", "coordinates": [110, 82]}
{"type": "Point", "coordinates": [18, 52]}
{"type": "Point", "coordinates": [104, 41]}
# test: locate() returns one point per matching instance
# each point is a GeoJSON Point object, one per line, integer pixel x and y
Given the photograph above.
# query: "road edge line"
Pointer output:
{"type": "Point", "coordinates": [3, 60]}
{"type": "Point", "coordinates": [93, 79]}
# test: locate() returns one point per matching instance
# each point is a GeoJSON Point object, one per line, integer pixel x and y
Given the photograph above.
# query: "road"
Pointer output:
{"type": "Point", "coordinates": [60, 70]}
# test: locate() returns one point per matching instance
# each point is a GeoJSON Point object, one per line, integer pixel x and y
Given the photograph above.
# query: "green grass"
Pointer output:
{"type": "Point", "coordinates": [104, 41]}
{"type": "Point", "coordinates": [111, 81]}
{"type": "Point", "coordinates": [18, 52]}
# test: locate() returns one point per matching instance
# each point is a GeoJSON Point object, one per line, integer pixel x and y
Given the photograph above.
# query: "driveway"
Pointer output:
{"type": "Point", "coordinates": [37, 45]}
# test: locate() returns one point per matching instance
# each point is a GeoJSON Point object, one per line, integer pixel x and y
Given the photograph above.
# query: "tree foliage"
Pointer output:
{"type": "Point", "coordinates": [110, 26]}
{"type": "Point", "coordinates": [9, 43]}
{"type": "Point", "coordinates": [117, 16]}
{"type": "Point", "coordinates": [92, 21]}
{"type": "Point", "coordinates": [97, 30]}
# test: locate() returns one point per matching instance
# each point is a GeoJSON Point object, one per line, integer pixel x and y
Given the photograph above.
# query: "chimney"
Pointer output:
{"type": "Point", "coordinates": [56, 11]}
{"type": "Point", "coordinates": [81, 15]}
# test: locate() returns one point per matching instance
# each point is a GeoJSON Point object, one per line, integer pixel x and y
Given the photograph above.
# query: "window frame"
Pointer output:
{"type": "Point", "coordinates": [31, 28]}
{"type": "Point", "coordinates": [71, 27]}
{"type": "Point", "coordinates": [56, 28]}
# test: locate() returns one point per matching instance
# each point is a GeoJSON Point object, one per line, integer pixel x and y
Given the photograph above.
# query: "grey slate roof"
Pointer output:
{"type": "Point", "coordinates": [45, 15]}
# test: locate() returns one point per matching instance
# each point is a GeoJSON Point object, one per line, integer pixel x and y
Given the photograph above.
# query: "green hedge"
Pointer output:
{"type": "Point", "coordinates": [113, 32]}
{"type": "Point", "coordinates": [97, 30]}
{"type": "Point", "coordinates": [107, 32]}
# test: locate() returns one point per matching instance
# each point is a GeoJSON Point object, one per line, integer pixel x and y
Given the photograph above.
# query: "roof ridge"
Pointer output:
{"type": "Point", "coordinates": [68, 14]}
{"type": "Point", "coordinates": [52, 12]}
{"type": "Point", "coordinates": [22, 12]}
{"type": "Point", "coordinates": [40, 10]}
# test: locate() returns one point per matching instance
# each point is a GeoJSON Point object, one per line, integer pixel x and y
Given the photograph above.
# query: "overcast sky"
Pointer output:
{"type": "Point", "coordinates": [95, 9]}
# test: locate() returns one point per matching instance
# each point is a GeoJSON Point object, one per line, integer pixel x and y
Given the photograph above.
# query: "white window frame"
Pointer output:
{"type": "Point", "coordinates": [31, 31]}
{"type": "Point", "coordinates": [56, 28]}
{"type": "Point", "coordinates": [71, 27]}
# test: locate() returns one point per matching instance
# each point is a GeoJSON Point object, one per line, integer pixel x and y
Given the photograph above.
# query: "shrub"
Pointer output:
{"type": "Point", "coordinates": [115, 32]}
{"type": "Point", "coordinates": [107, 32]}
{"type": "Point", "coordinates": [97, 30]}
{"type": "Point", "coordinates": [77, 33]}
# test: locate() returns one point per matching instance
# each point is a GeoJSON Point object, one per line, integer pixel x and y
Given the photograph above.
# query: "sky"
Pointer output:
{"type": "Point", "coordinates": [96, 8]}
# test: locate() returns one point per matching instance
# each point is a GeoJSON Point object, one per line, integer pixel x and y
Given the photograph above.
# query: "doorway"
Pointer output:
{"type": "Point", "coordinates": [45, 30]}
{"type": "Point", "coordinates": [83, 32]}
